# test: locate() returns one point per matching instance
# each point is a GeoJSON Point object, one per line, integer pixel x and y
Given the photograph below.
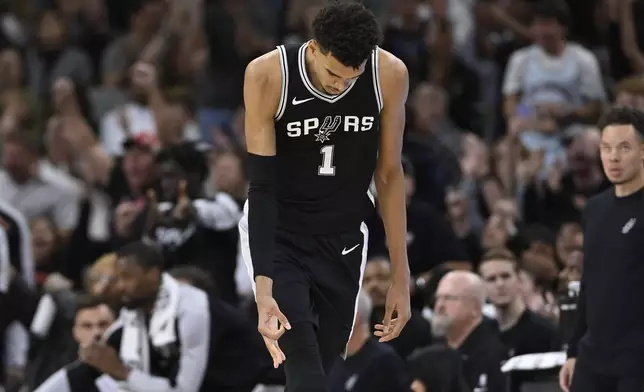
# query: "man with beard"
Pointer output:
{"type": "Point", "coordinates": [522, 331]}
{"type": "Point", "coordinates": [458, 318]}
{"type": "Point", "coordinates": [161, 341]}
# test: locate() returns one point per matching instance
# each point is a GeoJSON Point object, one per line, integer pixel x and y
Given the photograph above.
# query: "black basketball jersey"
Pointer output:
{"type": "Point", "coordinates": [327, 147]}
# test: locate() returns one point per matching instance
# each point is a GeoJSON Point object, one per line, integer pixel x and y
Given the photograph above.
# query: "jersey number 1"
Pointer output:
{"type": "Point", "coordinates": [326, 168]}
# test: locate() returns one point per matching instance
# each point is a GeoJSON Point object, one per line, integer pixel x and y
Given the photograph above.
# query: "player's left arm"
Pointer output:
{"type": "Point", "coordinates": [390, 185]}
{"type": "Point", "coordinates": [389, 179]}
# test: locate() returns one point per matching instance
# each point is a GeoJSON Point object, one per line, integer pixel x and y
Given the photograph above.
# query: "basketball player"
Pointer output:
{"type": "Point", "coordinates": [321, 118]}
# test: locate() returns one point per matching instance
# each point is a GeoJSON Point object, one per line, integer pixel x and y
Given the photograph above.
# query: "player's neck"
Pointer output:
{"type": "Point", "coordinates": [308, 61]}
{"type": "Point", "coordinates": [508, 316]}
{"type": "Point", "coordinates": [626, 189]}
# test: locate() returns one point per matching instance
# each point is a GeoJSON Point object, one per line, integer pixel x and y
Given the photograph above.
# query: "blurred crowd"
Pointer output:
{"type": "Point", "coordinates": [123, 120]}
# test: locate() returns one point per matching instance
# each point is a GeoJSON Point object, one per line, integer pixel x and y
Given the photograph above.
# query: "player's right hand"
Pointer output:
{"type": "Point", "coordinates": [566, 373]}
{"type": "Point", "coordinates": [269, 318]}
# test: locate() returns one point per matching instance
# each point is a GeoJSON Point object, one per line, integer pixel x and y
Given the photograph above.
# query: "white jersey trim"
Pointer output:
{"type": "Point", "coordinates": [284, 95]}
{"type": "Point", "coordinates": [26, 255]}
{"type": "Point", "coordinates": [363, 265]}
{"type": "Point", "coordinates": [244, 242]}
{"type": "Point", "coordinates": [307, 82]}
{"type": "Point", "coordinates": [375, 66]}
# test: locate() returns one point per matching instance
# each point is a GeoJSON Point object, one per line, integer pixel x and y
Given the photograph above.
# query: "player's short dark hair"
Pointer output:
{"type": "Point", "coordinates": [552, 9]}
{"type": "Point", "coordinates": [348, 31]}
{"type": "Point", "coordinates": [623, 116]}
{"type": "Point", "coordinates": [86, 301]}
{"type": "Point", "coordinates": [196, 276]}
{"type": "Point", "coordinates": [146, 256]}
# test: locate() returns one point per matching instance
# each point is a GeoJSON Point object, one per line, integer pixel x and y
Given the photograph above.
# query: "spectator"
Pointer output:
{"type": "Point", "coordinates": [436, 167]}
{"type": "Point", "coordinates": [178, 330]}
{"type": "Point", "coordinates": [237, 357]}
{"type": "Point", "coordinates": [54, 57]}
{"type": "Point", "coordinates": [522, 331]}
{"type": "Point", "coordinates": [144, 21]}
{"type": "Point", "coordinates": [458, 318]}
{"type": "Point", "coordinates": [546, 100]}
{"type": "Point", "coordinates": [146, 113]}
{"type": "Point", "coordinates": [191, 228]}
{"type": "Point", "coordinates": [30, 188]}
{"type": "Point", "coordinates": [369, 366]}
{"type": "Point", "coordinates": [91, 317]}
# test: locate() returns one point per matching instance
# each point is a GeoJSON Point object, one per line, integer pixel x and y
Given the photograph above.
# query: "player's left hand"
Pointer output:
{"type": "Point", "coordinates": [397, 301]}
{"type": "Point", "coordinates": [104, 358]}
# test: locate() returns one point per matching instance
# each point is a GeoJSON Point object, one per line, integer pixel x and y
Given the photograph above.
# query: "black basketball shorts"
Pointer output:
{"type": "Point", "coordinates": [317, 278]}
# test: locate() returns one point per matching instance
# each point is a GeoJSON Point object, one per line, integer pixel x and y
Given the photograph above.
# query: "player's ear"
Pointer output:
{"type": "Point", "coordinates": [314, 45]}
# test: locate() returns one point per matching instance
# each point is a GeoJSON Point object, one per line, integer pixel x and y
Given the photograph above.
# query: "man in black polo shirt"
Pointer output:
{"type": "Point", "coordinates": [458, 318]}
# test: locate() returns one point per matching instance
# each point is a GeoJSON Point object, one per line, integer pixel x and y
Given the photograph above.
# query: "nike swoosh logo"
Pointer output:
{"type": "Point", "coordinates": [296, 102]}
{"type": "Point", "coordinates": [346, 251]}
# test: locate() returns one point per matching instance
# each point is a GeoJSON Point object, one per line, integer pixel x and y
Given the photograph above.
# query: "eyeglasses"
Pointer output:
{"type": "Point", "coordinates": [448, 297]}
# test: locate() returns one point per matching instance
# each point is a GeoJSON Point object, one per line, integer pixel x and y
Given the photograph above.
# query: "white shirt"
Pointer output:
{"type": "Point", "coordinates": [141, 120]}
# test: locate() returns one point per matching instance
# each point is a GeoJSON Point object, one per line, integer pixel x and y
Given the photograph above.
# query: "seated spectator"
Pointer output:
{"type": "Point", "coordinates": [46, 247]}
{"type": "Point", "coordinates": [31, 188]}
{"type": "Point", "coordinates": [59, 347]}
{"type": "Point", "coordinates": [522, 331]}
{"type": "Point", "coordinates": [458, 318]}
{"type": "Point", "coordinates": [238, 357]}
{"type": "Point", "coordinates": [629, 92]}
{"type": "Point", "coordinates": [161, 340]}
{"type": "Point", "coordinates": [551, 84]}
{"type": "Point", "coordinates": [369, 366]}
{"type": "Point", "coordinates": [55, 316]}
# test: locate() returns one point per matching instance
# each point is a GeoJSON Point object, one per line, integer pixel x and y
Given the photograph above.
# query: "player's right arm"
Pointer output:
{"type": "Point", "coordinates": [262, 94]}
{"type": "Point", "coordinates": [262, 91]}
